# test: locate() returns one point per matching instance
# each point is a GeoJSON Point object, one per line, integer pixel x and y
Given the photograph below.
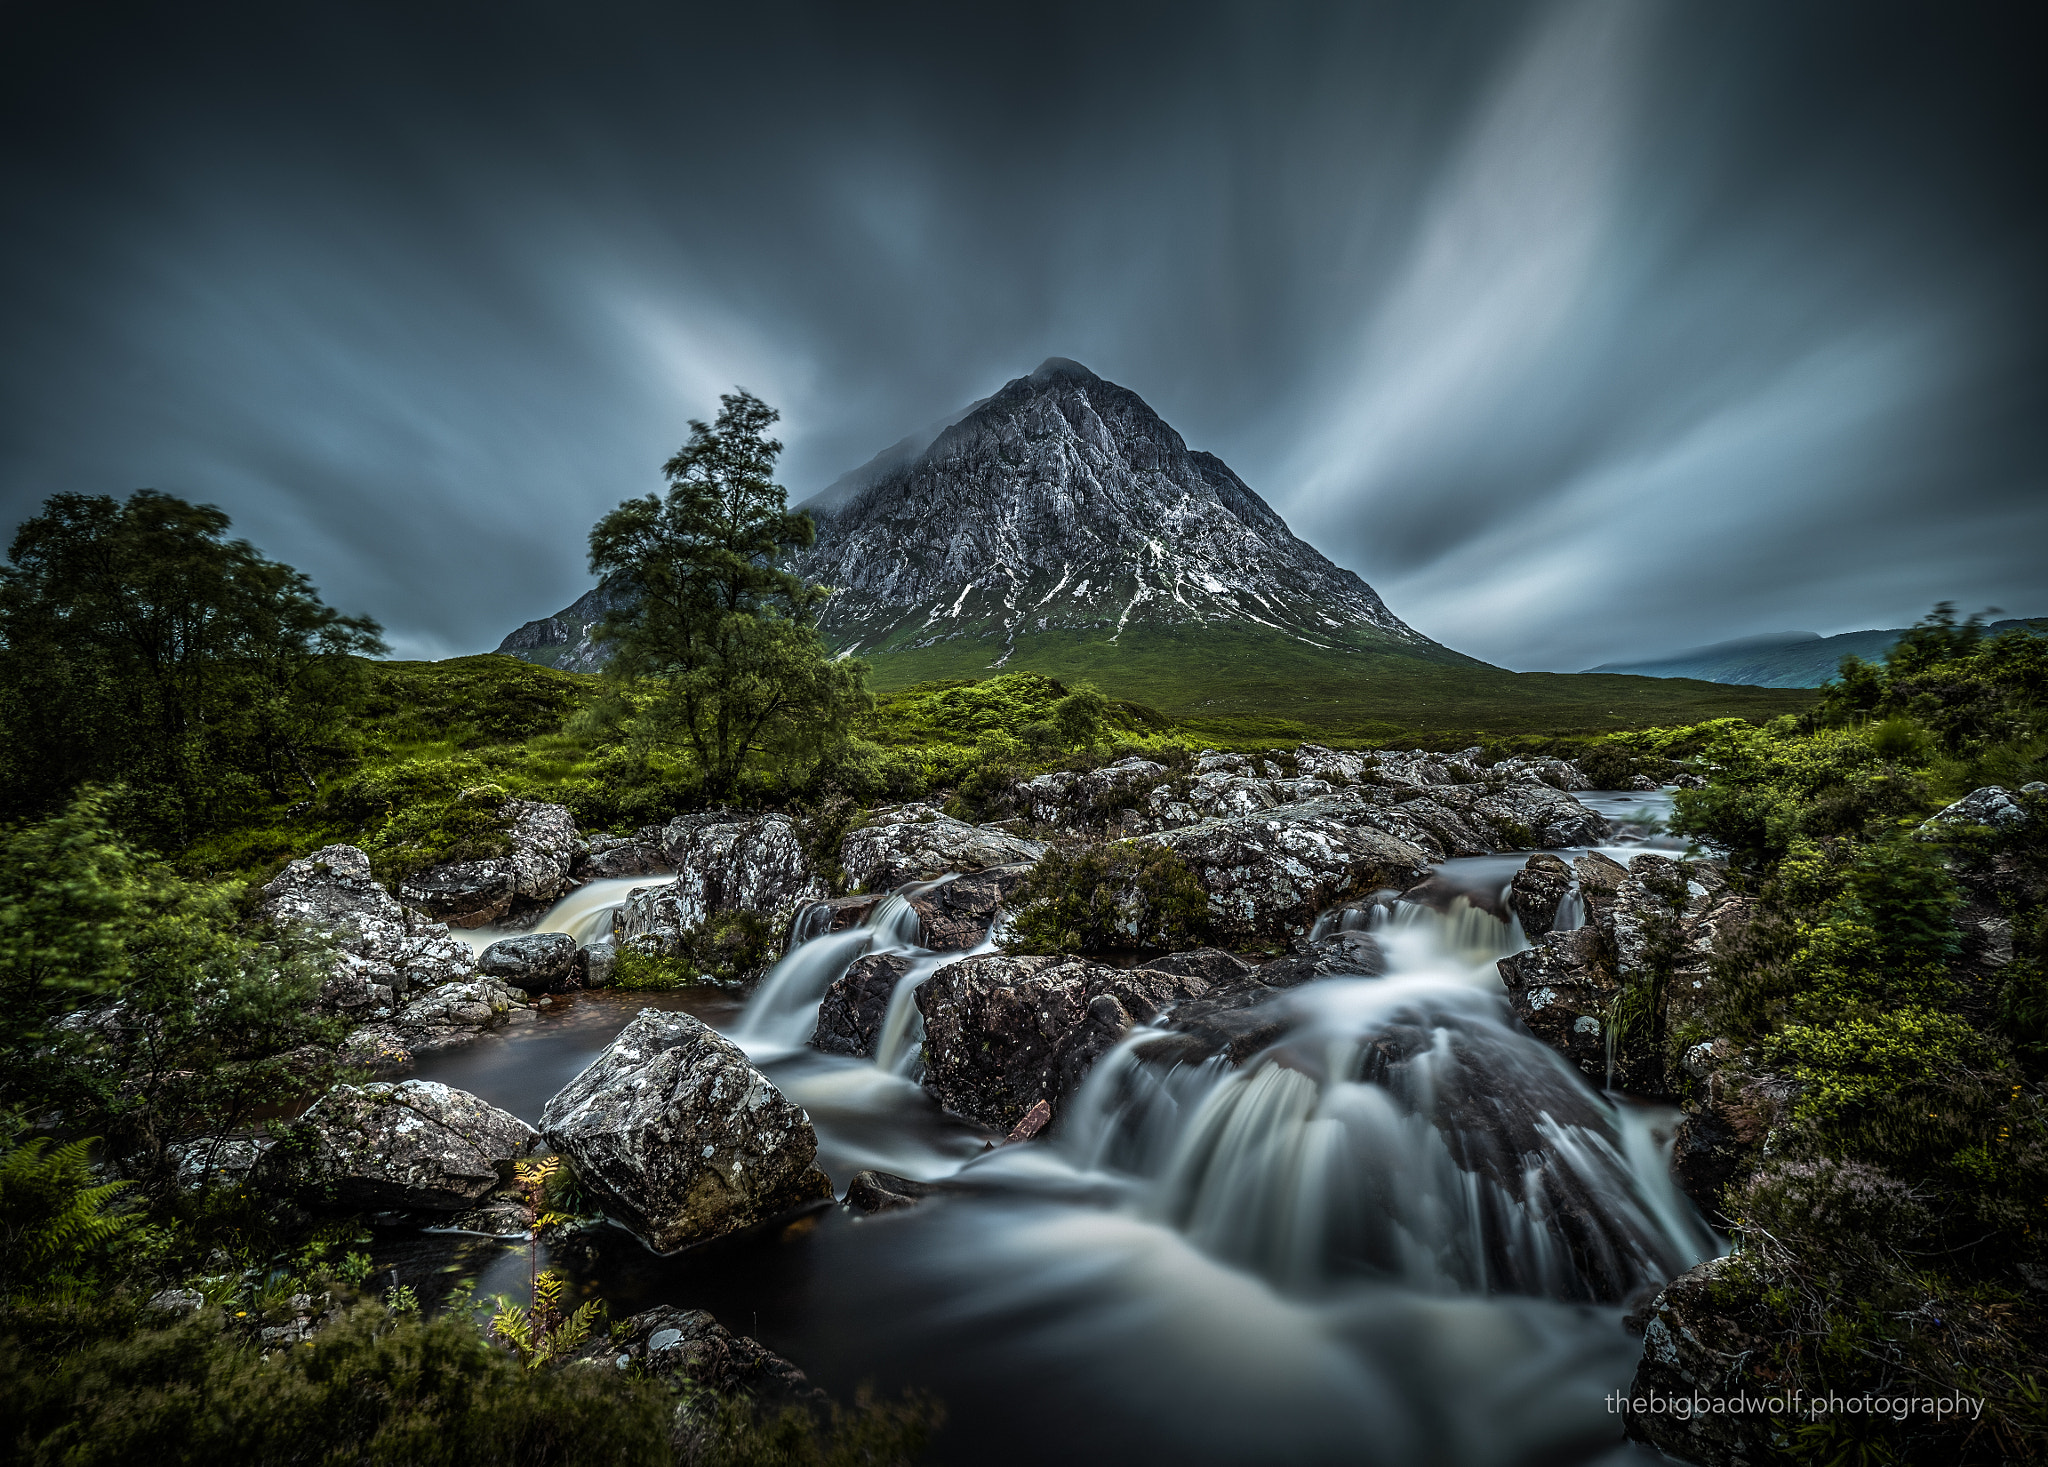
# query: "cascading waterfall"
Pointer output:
{"type": "Point", "coordinates": [783, 1013]}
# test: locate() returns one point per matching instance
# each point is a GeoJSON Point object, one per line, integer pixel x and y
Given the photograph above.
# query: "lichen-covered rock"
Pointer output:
{"type": "Point", "coordinates": [1002, 1033]}
{"type": "Point", "coordinates": [415, 1145]}
{"type": "Point", "coordinates": [690, 1347]}
{"type": "Point", "coordinates": [1338, 955]}
{"type": "Point", "coordinates": [1992, 806]}
{"type": "Point", "coordinates": [1693, 1347]}
{"type": "Point", "coordinates": [1559, 774]}
{"type": "Point", "coordinates": [1563, 988]}
{"type": "Point", "coordinates": [610, 857]}
{"type": "Point", "coordinates": [545, 847]}
{"type": "Point", "coordinates": [681, 1138]}
{"type": "Point", "coordinates": [1075, 801]}
{"type": "Point", "coordinates": [594, 963]}
{"type": "Point", "coordinates": [383, 953]}
{"type": "Point", "coordinates": [444, 1017]}
{"type": "Point", "coordinates": [1268, 875]}
{"type": "Point", "coordinates": [539, 962]}
{"type": "Point", "coordinates": [957, 914]}
{"type": "Point", "coordinates": [1537, 891]}
{"type": "Point", "coordinates": [724, 863]}
{"type": "Point", "coordinates": [851, 1013]}
{"type": "Point", "coordinates": [921, 843]}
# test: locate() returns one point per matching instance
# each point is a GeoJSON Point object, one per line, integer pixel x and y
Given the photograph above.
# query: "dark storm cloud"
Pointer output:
{"type": "Point", "coordinates": [1581, 330]}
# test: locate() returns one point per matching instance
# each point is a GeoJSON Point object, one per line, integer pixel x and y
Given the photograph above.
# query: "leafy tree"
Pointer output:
{"type": "Point", "coordinates": [726, 632]}
{"type": "Point", "coordinates": [141, 646]}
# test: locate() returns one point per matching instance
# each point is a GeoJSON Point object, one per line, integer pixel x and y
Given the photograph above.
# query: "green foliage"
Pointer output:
{"type": "Point", "coordinates": [374, 1388]}
{"type": "Point", "coordinates": [129, 1003]}
{"type": "Point", "coordinates": [725, 634]}
{"type": "Point", "coordinates": [542, 1333]}
{"type": "Point", "coordinates": [54, 1214]}
{"type": "Point", "coordinates": [1609, 765]}
{"type": "Point", "coordinates": [140, 646]}
{"type": "Point", "coordinates": [729, 949]}
{"type": "Point", "coordinates": [1127, 894]}
{"type": "Point", "coordinates": [734, 1432]}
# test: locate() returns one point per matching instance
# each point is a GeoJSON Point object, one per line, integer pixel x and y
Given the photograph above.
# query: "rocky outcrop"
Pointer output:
{"type": "Point", "coordinates": [688, 1347]}
{"type": "Point", "coordinates": [540, 962]}
{"type": "Point", "coordinates": [447, 1017]}
{"type": "Point", "coordinates": [957, 914]}
{"type": "Point", "coordinates": [723, 863]}
{"type": "Point", "coordinates": [1069, 800]}
{"type": "Point", "coordinates": [524, 883]}
{"type": "Point", "coordinates": [383, 953]}
{"type": "Point", "coordinates": [922, 843]}
{"type": "Point", "coordinates": [682, 1139]}
{"type": "Point", "coordinates": [612, 857]}
{"type": "Point", "coordinates": [851, 1013]}
{"type": "Point", "coordinates": [1002, 1033]}
{"type": "Point", "coordinates": [1537, 892]}
{"type": "Point", "coordinates": [412, 1146]}
{"type": "Point", "coordinates": [1694, 1348]}
{"type": "Point", "coordinates": [1559, 774]}
{"type": "Point", "coordinates": [1993, 806]}
{"type": "Point", "coordinates": [594, 964]}
{"type": "Point", "coordinates": [1641, 961]}
{"type": "Point", "coordinates": [1268, 875]}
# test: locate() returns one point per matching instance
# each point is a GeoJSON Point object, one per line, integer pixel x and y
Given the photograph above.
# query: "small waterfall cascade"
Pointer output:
{"type": "Point", "coordinates": [1402, 1129]}
{"type": "Point", "coordinates": [585, 913]}
{"type": "Point", "coordinates": [783, 1012]}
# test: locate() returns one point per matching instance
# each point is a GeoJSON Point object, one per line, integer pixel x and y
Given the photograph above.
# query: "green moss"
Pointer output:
{"type": "Point", "coordinates": [1128, 894]}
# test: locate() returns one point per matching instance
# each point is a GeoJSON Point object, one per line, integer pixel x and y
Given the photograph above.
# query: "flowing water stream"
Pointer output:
{"type": "Point", "coordinates": [1403, 1233]}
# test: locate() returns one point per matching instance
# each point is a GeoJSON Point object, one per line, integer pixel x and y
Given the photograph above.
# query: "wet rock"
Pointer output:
{"type": "Point", "coordinates": [1212, 965]}
{"type": "Point", "coordinates": [873, 1192]}
{"type": "Point", "coordinates": [415, 1145]}
{"type": "Point", "coordinates": [383, 953]}
{"type": "Point", "coordinates": [689, 1346]}
{"type": "Point", "coordinates": [680, 1137]}
{"type": "Point", "coordinates": [1550, 816]}
{"type": "Point", "coordinates": [1537, 891]}
{"type": "Point", "coordinates": [540, 962]}
{"type": "Point", "coordinates": [1338, 955]}
{"type": "Point", "coordinates": [1563, 989]}
{"type": "Point", "coordinates": [610, 857]}
{"type": "Point", "coordinates": [1002, 1033]}
{"type": "Point", "coordinates": [545, 846]}
{"type": "Point", "coordinates": [1726, 1124]}
{"type": "Point", "coordinates": [921, 843]}
{"type": "Point", "coordinates": [224, 1163]}
{"type": "Point", "coordinates": [1600, 878]}
{"type": "Point", "coordinates": [594, 964]}
{"type": "Point", "coordinates": [1693, 1347]}
{"type": "Point", "coordinates": [834, 914]}
{"type": "Point", "coordinates": [851, 1013]}
{"type": "Point", "coordinates": [957, 915]}
{"type": "Point", "coordinates": [1992, 806]}
{"type": "Point", "coordinates": [724, 863]}
{"type": "Point", "coordinates": [1268, 875]}
{"type": "Point", "coordinates": [446, 1017]}
{"type": "Point", "coordinates": [1039, 1116]}
{"type": "Point", "coordinates": [1559, 774]}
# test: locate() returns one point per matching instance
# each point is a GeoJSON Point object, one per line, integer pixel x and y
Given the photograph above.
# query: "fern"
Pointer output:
{"type": "Point", "coordinates": [52, 1212]}
{"type": "Point", "coordinates": [541, 1335]}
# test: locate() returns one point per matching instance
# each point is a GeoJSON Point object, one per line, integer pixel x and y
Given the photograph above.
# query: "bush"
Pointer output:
{"type": "Point", "coordinates": [730, 949]}
{"type": "Point", "coordinates": [1101, 898]}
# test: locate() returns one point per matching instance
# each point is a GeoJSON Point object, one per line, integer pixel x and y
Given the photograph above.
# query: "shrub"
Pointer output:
{"type": "Point", "coordinates": [1128, 894]}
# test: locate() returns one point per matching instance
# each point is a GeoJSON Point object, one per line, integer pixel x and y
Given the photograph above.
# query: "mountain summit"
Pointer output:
{"type": "Point", "coordinates": [1063, 510]}
{"type": "Point", "coordinates": [1063, 526]}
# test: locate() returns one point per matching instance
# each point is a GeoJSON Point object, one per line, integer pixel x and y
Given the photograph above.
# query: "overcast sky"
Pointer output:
{"type": "Point", "coordinates": [1582, 331]}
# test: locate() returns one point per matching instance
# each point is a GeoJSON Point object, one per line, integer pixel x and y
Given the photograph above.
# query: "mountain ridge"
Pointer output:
{"type": "Point", "coordinates": [1778, 659]}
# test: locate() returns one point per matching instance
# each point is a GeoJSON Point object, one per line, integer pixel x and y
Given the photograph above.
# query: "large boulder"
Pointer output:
{"type": "Point", "coordinates": [1537, 892]}
{"type": "Point", "coordinates": [1993, 806]}
{"type": "Point", "coordinates": [444, 1017]}
{"type": "Point", "coordinates": [1003, 1033]}
{"type": "Point", "coordinates": [521, 884]}
{"type": "Point", "coordinates": [724, 863]}
{"type": "Point", "coordinates": [922, 843]}
{"type": "Point", "coordinates": [383, 953]}
{"type": "Point", "coordinates": [539, 962]}
{"type": "Point", "coordinates": [610, 857]}
{"type": "Point", "coordinates": [418, 1145]}
{"type": "Point", "coordinates": [957, 914]}
{"type": "Point", "coordinates": [1695, 1348]}
{"type": "Point", "coordinates": [1073, 801]}
{"type": "Point", "coordinates": [682, 1139]}
{"type": "Point", "coordinates": [851, 1013]}
{"type": "Point", "coordinates": [1268, 875]}
{"type": "Point", "coordinates": [690, 1349]}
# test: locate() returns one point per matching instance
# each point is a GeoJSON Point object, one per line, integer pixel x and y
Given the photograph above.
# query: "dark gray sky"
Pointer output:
{"type": "Point", "coordinates": [1583, 330]}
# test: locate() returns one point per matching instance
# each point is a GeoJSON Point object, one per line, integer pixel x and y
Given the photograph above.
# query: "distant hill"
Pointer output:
{"type": "Point", "coordinates": [1779, 659]}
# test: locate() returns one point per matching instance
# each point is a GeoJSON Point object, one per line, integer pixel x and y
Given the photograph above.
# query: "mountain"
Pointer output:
{"type": "Point", "coordinates": [1778, 659]}
{"type": "Point", "coordinates": [1061, 525]}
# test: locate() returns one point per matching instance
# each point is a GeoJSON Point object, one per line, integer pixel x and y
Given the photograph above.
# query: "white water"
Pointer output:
{"type": "Point", "coordinates": [585, 913]}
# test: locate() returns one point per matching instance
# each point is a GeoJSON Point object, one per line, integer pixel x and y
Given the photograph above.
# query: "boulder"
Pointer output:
{"type": "Point", "coordinates": [383, 953]}
{"type": "Point", "coordinates": [920, 843]}
{"type": "Point", "coordinates": [418, 1145]}
{"type": "Point", "coordinates": [611, 857]}
{"type": "Point", "coordinates": [1536, 893]}
{"type": "Point", "coordinates": [1212, 965]}
{"type": "Point", "coordinates": [1992, 806]}
{"type": "Point", "coordinates": [1078, 802]}
{"type": "Point", "coordinates": [851, 1013]}
{"type": "Point", "coordinates": [540, 962]}
{"type": "Point", "coordinates": [1002, 1033]}
{"type": "Point", "coordinates": [1338, 955]}
{"type": "Point", "coordinates": [1268, 875]}
{"type": "Point", "coordinates": [688, 1348]}
{"type": "Point", "coordinates": [724, 863]}
{"type": "Point", "coordinates": [957, 915]}
{"type": "Point", "coordinates": [871, 1192]}
{"type": "Point", "coordinates": [446, 1017]}
{"type": "Point", "coordinates": [1559, 774]}
{"type": "Point", "coordinates": [594, 963]}
{"type": "Point", "coordinates": [680, 1138]}
{"type": "Point", "coordinates": [224, 1163]}
{"type": "Point", "coordinates": [545, 847]}
{"type": "Point", "coordinates": [1693, 1347]}
{"type": "Point", "coordinates": [1563, 989]}
{"type": "Point", "coordinates": [834, 914]}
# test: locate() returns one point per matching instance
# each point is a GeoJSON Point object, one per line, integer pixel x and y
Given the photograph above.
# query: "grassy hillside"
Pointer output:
{"type": "Point", "coordinates": [1244, 683]}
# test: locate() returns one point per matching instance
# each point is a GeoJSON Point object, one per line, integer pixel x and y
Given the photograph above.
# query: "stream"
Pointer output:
{"type": "Point", "coordinates": [1404, 1233]}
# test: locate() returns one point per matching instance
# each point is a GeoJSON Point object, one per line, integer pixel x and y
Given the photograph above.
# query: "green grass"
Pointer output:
{"type": "Point", "coordinates": [1234, 686]}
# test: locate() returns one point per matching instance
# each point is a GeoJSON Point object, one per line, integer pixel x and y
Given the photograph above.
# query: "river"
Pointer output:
{"type": "Point", "coordinates": [1329, 1255]}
